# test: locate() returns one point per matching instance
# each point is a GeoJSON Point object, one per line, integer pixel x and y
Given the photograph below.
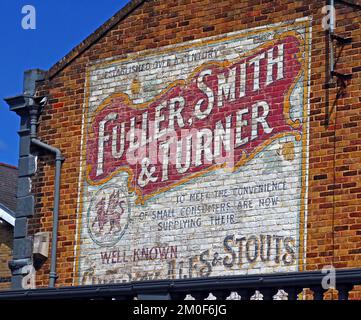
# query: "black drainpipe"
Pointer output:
{"type": "Point", "coordinates": [28, 107]}
{"type": "Point", "coordinates": [34, 113]}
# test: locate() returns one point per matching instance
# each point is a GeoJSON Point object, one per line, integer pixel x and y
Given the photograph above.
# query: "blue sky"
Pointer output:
{"type": "Point", "coordinates": [60, 26]}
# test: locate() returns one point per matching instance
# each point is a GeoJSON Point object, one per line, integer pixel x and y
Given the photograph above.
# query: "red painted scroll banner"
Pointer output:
{"type": "Point", "coordinates": [219, 117]}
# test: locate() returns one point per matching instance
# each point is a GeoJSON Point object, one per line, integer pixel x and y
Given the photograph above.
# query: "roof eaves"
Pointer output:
{"type": "Point", "coordinates": [7, 215]}
{"type": "Point", "coordinates": [94, 37]}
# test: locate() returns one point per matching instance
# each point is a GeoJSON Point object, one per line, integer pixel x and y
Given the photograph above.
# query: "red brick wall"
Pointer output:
{"type": "Point", "coordinates": [334, 210]}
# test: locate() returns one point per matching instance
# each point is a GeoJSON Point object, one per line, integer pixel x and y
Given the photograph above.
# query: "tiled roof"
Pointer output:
{"type": "Point", "coordinates": [8, 186]}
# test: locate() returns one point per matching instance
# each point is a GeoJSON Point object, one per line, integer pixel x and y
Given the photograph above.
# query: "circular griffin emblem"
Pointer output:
{"type": "Point", "coordinates": [108, 215]}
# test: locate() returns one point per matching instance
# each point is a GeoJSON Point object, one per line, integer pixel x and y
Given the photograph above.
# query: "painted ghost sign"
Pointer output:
{"type": "Point", "coordinates": [195, 159]}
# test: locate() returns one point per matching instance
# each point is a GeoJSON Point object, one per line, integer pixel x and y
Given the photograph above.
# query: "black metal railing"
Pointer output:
{"type": "Point", "coordinates": [265, 287]}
